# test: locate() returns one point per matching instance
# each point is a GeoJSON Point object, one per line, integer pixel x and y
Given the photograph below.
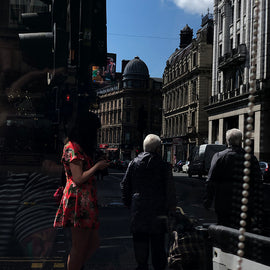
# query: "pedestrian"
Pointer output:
{"type": "Point", "coordinates": [148, 190]}
{"type": "Point", "coordinates": [78, 209]}
{"type": "Point", "coordinates": [225, 181]}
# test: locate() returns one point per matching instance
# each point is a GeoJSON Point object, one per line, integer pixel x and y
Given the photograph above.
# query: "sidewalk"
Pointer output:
{"type": "Point", "coordinates": [116, 247]}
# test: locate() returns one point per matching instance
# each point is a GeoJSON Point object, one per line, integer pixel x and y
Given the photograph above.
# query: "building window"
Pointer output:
{"type": "Point", "coordinates": [232, 13]}
{"type": "Point", "coordinates": [129, 84]}
{"type": "Point", "coordinates": [194, 91]}
{"type": "Point", "coordinates": [220, 50]}
{"type": "Point", "coordinates": [127, 116]}
{"type": "Point", "coordinates": [138, 84]}
{"type": "Point", "coordinates": [185, 124]}
{"type": "Point", "coordinates": [182, 97]}
{"type": "Point", "coordinates": [221, 22]}
{"type": "Point", "coordinates": [239, 10]}
{"type": "Point", "coordinates": [219, 87]}
{"type": "Point", "coordinates": [195, 59]}
{"type": "Point", "coordinates": [157, 86]}
{"type": "Point", "coordinates": [128, 101]}
{"type": "Point", "coordinates": [119, 117]}
{"type": "Point", "coordinates": [193, 119]}
{"type": "Point", "coordinates": [127, 137]}
{"type": "Point", "coordinates": [238, 39]}
{"type": "Point", "coordinates": [110, 136]}
{"type": "Point", "coordinates": [118, 135]}
{"type": "Point", "coordinates": [174, 126]}
{"type": "Point", "coordinates": [186, 96]}
{"type": "Point", "coordinates": [112, 118]}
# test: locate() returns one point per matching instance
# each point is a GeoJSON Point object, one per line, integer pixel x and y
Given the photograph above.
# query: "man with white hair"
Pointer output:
{"type": "Point", "coordinates": [148, 190]}
{"type": "Point", "coordinates": [225, 180]}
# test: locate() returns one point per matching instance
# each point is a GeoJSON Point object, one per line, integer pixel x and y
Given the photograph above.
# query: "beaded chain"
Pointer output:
{"type": "Point", "coordinates": [248, 149]}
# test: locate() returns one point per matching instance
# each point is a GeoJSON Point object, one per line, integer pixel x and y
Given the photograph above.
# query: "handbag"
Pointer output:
{"type": "Point", "coordinates": [58, 194]}
{"type": "Point", "coordinates": [187, 250]}
{"type": "Point", "coordinates": [186, 244]}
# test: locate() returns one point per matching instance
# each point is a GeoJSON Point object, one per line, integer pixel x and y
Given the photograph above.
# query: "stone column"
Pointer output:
{"type": "Point", "coordinates": [210, 127]}
{"type": "Point", "coordinates": [220, 131]}
{"type": "Point", "coordinates": [257, 127]}
{"type": "Point", "coordinates": [241, 125]}
{"type": "Point", "coordinates": [215, 53]}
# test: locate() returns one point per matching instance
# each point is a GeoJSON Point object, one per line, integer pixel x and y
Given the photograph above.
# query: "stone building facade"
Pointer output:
{"type": "Point", "coordinates": [129, 110]}
{"type": "Point", "coordinates": [232, 51]}
{"type": "Point", "coordinates": [186, 90]}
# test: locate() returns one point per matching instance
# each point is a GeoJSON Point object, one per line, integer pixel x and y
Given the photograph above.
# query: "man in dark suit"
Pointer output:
{"type": "Point", "coordinates": [225, 182]}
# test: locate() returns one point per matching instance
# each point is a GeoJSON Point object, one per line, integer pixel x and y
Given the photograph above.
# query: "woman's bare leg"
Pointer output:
{"type": "Point", "coordinates": [93, 244]}
{"type": "Point", "coordinates": [80, 245]}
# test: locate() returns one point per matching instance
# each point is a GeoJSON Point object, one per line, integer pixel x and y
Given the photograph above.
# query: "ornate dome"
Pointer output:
{"type": "Point", "coordinates": [135, 69]}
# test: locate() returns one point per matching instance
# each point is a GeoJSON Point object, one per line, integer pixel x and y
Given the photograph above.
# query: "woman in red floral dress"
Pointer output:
{"type": "Point", "coordinates": [78, 207]}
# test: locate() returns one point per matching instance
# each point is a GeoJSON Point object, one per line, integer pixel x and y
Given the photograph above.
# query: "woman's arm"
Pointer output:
{"type": "Point", "coordinates": [79, 176]}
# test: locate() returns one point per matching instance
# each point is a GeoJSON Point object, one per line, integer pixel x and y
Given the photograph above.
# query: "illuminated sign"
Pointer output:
{"type": "Point", "coordinates": [105, 75]}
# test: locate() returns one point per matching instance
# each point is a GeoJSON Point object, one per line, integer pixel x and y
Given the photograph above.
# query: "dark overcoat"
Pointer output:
{"type": "Point", "coordinates": [148, 190]}
{"type": "Point", "coordinates": [224, 187]}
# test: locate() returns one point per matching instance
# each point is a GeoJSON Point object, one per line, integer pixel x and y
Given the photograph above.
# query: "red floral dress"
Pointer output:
{"type": "Point", "coordinates": [78, 206]}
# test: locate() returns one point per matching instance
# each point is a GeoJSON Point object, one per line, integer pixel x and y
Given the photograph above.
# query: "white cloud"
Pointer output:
{"type": "Point", "coordinates": [195, 6]}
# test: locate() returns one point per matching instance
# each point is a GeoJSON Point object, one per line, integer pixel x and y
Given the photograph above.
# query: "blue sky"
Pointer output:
{"type": "Point", "coordinates": [150, 28]}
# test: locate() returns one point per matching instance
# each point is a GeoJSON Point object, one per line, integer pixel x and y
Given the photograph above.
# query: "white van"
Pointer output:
{"type": "Point", "coordinates": [201, 161]}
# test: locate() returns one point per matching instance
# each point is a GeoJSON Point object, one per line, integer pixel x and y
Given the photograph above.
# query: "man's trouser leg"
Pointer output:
{"type": "Point", "coordinates": [141, 250]}
{"type": "Point", "coordinates": [158, 251]}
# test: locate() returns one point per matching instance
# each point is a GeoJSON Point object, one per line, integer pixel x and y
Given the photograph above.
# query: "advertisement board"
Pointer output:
{"type": "Point", "coordinates": [105, 75]}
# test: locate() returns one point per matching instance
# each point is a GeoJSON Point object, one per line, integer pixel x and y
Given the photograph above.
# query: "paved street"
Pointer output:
{"type": "Point", "coordinates": [115, 252]}
{"type": "Point", "coordinates": [116, 242]}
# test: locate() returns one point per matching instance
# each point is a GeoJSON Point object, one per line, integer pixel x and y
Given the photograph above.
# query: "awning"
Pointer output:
{"type": "Point", "coordinates": [102, 146]}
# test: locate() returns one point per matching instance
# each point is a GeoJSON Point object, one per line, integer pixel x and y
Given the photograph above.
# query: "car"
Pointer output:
{"type": "Point", "coordinates": [113, 163]}
{"type": "Point", "coordinates": [265, 169]}
{"type": "Point", "coordinates": [121, 164]}
{"type": "Point", "coordinates": [178, 166]}
{"type": "Point", "coordinates": [185, 167]}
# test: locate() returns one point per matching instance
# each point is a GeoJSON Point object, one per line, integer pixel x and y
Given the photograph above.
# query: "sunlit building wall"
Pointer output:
{"type": "Point", "coordinates": [232, 51]}
{"type": "Point", "coordinates": [186, 90]}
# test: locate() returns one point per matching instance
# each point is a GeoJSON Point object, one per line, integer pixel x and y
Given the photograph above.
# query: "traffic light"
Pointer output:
{"type": "Point", "coordinates": [67, 103]}
{"type": "Point", "coordinates": [94, 33]}
{"type": "Point", "coordinates": [37, 46]}
{"type": "Point", "coordinates": [88, 32]}
{"type": "Point", "coordinates": [88, 36]}
{"type": "Point", "coordinates": [44, 42]}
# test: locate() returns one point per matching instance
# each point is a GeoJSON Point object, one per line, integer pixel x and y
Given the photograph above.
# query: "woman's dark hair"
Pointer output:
{"type": "Point", "coordinates": [82, 129]}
